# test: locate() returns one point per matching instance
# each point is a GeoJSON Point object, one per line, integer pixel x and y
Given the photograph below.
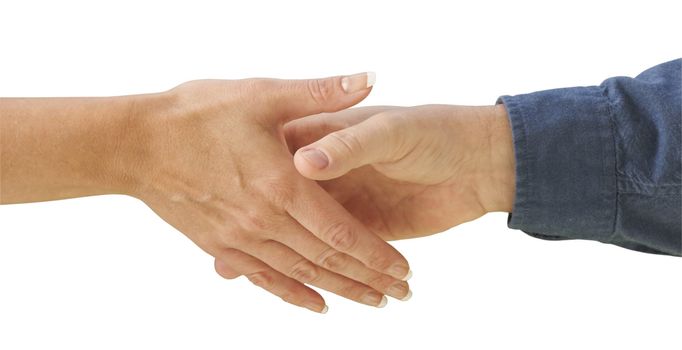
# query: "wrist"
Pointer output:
{"type": "Point", "coordinates": [131, 161]}
{"type": "Point", "coordinates": [498, 191]}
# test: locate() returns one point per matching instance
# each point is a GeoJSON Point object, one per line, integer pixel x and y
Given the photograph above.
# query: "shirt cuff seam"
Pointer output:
{"type": "Point", "coordinates": [614, 175]}
{"type": "Point", "coordinates": [520, 137]}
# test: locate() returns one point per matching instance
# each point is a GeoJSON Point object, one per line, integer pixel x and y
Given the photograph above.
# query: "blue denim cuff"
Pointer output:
{"type": "Point", "coordinates": [565, 163]}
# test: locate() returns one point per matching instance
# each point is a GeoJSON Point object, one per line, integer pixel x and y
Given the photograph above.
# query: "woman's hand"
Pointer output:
{"type": "Point", "coordinates": [216, 167]}
{"type": "Point", "coordinates": [407, 172]}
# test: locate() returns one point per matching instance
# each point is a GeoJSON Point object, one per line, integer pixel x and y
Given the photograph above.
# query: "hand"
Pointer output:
{"type": "Point", "coordinates": [410, 172]}
{"type": "Point", "coordinates": [407, 172]}
{"type": "Point", "coordinates": [216, 167]}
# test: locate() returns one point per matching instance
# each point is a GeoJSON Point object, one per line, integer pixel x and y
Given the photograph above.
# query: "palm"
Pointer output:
{"type": "Point", "coordinates": [398, 210]}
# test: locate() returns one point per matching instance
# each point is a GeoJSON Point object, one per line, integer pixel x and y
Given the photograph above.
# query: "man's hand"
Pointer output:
{"type": "Point", "coordinates": [217, 168]}
{"type": "Point", "coordinates": [411, 171]}
{"type": "Point", "coordinates": [407, 172]}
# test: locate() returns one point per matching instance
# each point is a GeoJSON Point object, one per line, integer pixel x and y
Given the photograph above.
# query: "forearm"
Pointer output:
{"type": "Point", "coordinates": [54, 148]}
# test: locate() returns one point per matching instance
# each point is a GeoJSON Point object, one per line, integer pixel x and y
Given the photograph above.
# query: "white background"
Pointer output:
{"type": "Point", "coordinates": [106, 273]}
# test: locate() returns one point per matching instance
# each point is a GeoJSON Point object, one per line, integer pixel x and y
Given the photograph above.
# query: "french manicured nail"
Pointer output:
{"type": "Point", "coordinates": [383, 302]}
{"type": "Point", "coordinates": [358, 82]}
{"type": "Point", "coordinates": [374, 299]}
{"type": "Point", "coordinates": [401, 272]}
{"type": "Point", "coordinates": [408, 276]}
{"type": "Point", "coordinates": [408, 296]}
{"type": "Point", "coordinates": [399, 290]}
{"type": "Point", "coordinates": [316, 158]}
{"type": "Point", "coordinates": [316, 308]}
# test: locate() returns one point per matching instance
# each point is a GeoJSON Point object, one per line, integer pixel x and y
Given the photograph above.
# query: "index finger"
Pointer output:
{"type": "Point", "coordinates": [320, 214]}
{"type": "Point", "coordinates": [304, 131]}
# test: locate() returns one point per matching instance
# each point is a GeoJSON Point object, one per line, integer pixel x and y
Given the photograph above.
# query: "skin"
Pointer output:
{"type": "Point", "coordinates": [210, 158]}
{"type": "Point", "coordinates": [408, 172]}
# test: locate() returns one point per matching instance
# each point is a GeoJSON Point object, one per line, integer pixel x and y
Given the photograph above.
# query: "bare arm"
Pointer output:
{"type": "Point", "coordinates": [210, 158]}
{"type": "Point", "coordinates": [55, 148]}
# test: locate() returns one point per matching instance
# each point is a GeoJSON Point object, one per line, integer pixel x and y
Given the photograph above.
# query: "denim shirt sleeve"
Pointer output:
{"type": "Point", "coordinates": [602, 162]}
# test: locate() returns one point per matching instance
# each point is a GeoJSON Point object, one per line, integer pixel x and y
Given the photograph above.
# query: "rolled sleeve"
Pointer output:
{"type": "Point", "coordinates": [602, 162]}
{"type": "Point", "coordinates": [565, 163]}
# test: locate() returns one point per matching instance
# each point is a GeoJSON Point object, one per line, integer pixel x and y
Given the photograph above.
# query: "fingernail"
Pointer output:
{"type": "Point", "coordinates": [401, 272]}
{"type": "Point", "coordinates": [398, 290]}
{"type": "Point", "coordinates": [408, 296]}
{"type": "Point", "coordinates": [316, 158]}
{"type": "Point", "coordinates": [316, 308]}
{"type": "Point", "coordinates": [383, 302]}
{"type": "Point", "coordinates": [374, 299]}
{"type": "Point", "coordinates": [408, 276]}
{"type": "Point", "coordinates": [358, 82]}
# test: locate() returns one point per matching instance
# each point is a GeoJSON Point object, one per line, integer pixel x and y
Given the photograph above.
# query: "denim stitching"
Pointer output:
{"type": "Point", "coordinates": [612, 123]}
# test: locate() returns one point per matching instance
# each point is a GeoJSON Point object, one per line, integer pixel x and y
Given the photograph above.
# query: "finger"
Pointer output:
{"type": "Point", "coordinates": [306, 130]}
{"type": "Point", "coordinates": [290, 263]}
{"type": "Point", "coordinates": [320, 214]}
{"type": "Point", "coordinates": [266, 277]}
{"type": "Point", "coordinates": [374, 140]}
{"type": "Point", "coordinates": [299, 98]}
{"type": "Point", "coordinates": [321, 254]}
{"type": "Point", "coordinates": [224, 269]}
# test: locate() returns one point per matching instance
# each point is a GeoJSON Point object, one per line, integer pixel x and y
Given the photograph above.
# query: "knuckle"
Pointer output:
{"type": "Point", "coordinates": [257, 84]}
{"type": "Point", "coordinates": [379, 281]}
{"type": "Point", "coordinates": [206, 239]}
{"type": "Point", "coordinates": [378, 261]}
{"type": "Point", "coordinates": [305, 271]}
{"type": "Point", "coordinates": [346, 142]}
{"type": "Point", "coordinates": [352, 291]}
{"type": "Point", "coordinates": [278, 189]}
{"type": "Point", "coordinates": [260, 278]}
{"type": "Point", "coordinates": [252, 221]}
{"type": "Point", "coordinates": [387, 124]}
{"type": "Point", "coordinates": [281, 196]}
{"type": "Point", "coordinates": [341, 236]}
{"type": "Point", "coordinates": [290, 298]}
{"type": "Point", "coordinates": [232, 238]}
{"type": "Point", "coordinates": [321, 90]}
{"type": "Point", "coordinates": [397, 129]}
{"type": "Point", "coordinates": [251, 90]}
{"type": "Point", "coordinates": [332, 259]}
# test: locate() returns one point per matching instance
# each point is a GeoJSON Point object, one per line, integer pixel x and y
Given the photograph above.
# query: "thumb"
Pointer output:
{"type": "Point", "coordinates": [298, 98]}
{"type": "Point", "coordinates": [375, 140]}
